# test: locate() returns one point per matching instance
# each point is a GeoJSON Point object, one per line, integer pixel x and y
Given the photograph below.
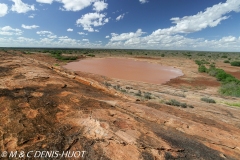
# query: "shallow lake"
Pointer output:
{"type": "Point", "coordinates": [126, 69]}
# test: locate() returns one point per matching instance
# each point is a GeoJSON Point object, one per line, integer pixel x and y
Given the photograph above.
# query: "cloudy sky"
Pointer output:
{"type": "Point", "coordinates": [141, 24]}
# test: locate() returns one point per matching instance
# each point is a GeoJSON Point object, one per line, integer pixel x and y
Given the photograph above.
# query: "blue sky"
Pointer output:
{"type": "Point", "coordinates": [136, 24]}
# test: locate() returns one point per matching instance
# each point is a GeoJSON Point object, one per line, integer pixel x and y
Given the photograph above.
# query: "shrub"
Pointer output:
{"type": "Point", "coordinates": [147, 95]}
{"type": "Point", "coordinates": [212, 65]}
{"type": "Point", "coordinates": [231, 89]}
{"type": "Point", "coordinates": [27, 53]}
{"type": "Point", "coordinates": [208, 100]}
{"type": "Point", "coordinates": [235, 63]}
{"type": "Point", "coordinates": [222, 75]}
{"type": "Point", "coordinates": [139, 93]}
{"type": "Point", "coordinates": [123, 90]}
{"type": "Point", "coordinates": [173, 102]}
{"type": "Point", "coordinates": [190, 106]}
{"type": "Point", "coordinates": [202, 68]}
{"type": "Point", "coordinates": [183, 105]}
{"type": "Point", "coordinates": [118, 86]}
{"type": "Point", "coordinates": [226, 61]}
{"type": "Point", "coordinates": [162, 55]}
{"type": "Point", "coordinates": [201, 54]}
{"type": "Point", "coordinates": [73, 58]}
{"type": "Point", "coordinates": [198, 62]}
{"type": "Point", "coordinates": [67, 58]}
{"type": "Point", "coordinates": [91, 55]}
{"type": "Point", "coordinates": [224, 56]}
{"type": "Point", "coordinates": [107, 84]}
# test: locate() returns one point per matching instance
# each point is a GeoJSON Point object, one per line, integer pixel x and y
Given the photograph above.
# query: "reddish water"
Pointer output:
{"type": "Point", "coordinates": [127, 69]}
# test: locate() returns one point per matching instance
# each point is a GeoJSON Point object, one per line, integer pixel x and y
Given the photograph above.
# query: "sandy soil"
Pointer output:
{"type": "Point", "coordinates": [44, 107]}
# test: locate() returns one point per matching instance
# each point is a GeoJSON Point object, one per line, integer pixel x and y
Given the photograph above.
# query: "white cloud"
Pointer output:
{"type": "Point", "coordinates": [29, 27]}
{"type": "Point", "coordinates": [45, 1]}
{"type": "Point", "coordinates": [228, 39]}
{"type": "Point", "coordinates": [211, 17]}
{"type": "Point", "coordinates": [75, 5]}
{"type": "Point", "coordinates": [24, 39]}
{"type": "Point", "coordinates": [120, 17]}
{"type": "Point", "coordinates": [3, 10]}
{"type": "Point", "coordinates": [52, 36]}
{"type": "Point", "coordinates": [48, 34]}
{"type": "Point", "coordinates": [143, 1]}
{"type": "Point", "coordinates": [126, 36]}
{"type": "Point", "coordinates": [90, 20]}
{"type": "Point", "coordinates": [99, 6]}
{"type": "Point", "coordinates": [69, 29]}
{"type": "Point", "coordinates": [229, 43]}
{"type": "Point", "coordinates": [85, 40]}
{"type": "Point", "coordinates": [8, 31]}
{"type": "Point", "coordinates": [68, 41]}
{"type": "Point", "coordinates": [106, 20]}
{"type": "Point", "coordinates": [63, 37]}
{"type": "Point", "coordinates": [173, 37]}
{"type": "Point", "coordinates": [43, 32]}
{"type": "Point", "coordinates": [107, 37]}
{"type": "Point", "coordinates": [21, 7]}
{"type": "Point", "coordinates": [31, 16]}
{"type": "Point", "coordinates": [82, 33]}
{"type": "Point", "coordinates": [46, 42]}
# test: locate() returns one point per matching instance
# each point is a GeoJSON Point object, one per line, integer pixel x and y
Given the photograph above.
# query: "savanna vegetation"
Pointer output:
{"type": "Point", "coordinates": [230, 85]}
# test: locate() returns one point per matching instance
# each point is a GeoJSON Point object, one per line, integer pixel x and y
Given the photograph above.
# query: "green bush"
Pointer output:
{"type": "Point", "coordinates": [183, 105]}
{"type": "Point", "coordinates": [147, 95]}
{"type": "Point", "coordinates": [173, 102]}
{"type": "Point", "coordinates": [162, 55]}
{"type": "Point", "coordinates": [226, 61]}
{"type": "Point", "coordinates": [190, 106]}
{"type": "Point", "coordinates": [208, 100]}
{"type": "Point", "coordinates": [60, 57]}
{"type": "Point", "coordinates": [222, 75]}
{"type": "Point", "coordinates": [231, 89]}
{"type": "Point", "coordinates": [235, 63]}
{"type": "Point", "coordinates": [198, 62]}
{"type": "Point", "coordinates": [224, 56]}
{"type": "Point", "coordinates": [212, 65]}
{"type": "Point", "coordinates": [107, 84]}
{"type": "Point", "coordinates": [201, 54]}
{"type": "Point", "coordinates": [202, 68]}
{"type": "Point", "coordinates": [91, 55]}
{"type": "Point", "coordinates": [139, 93]}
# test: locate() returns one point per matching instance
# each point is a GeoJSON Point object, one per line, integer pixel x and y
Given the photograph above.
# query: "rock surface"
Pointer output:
{"type": "Point", "coordinates": [44, 109]}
